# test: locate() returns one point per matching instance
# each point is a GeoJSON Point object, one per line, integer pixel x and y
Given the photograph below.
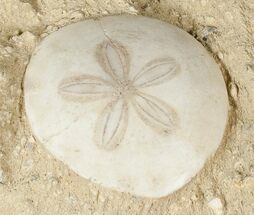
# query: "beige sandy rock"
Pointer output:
{"type": "Point", "coordinates": [29, 192]}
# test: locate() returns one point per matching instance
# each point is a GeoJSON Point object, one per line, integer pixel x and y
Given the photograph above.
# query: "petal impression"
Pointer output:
{"type": "Point", "coordinates": [157, 72]}
{"type": "Point", "coordinates": [114, 59]}
{"type": "Point", "coordinates": [85, 88]}
{"type": "Point", "coordinates": [155, 113]}
{"type": "Point", "coordinates": [111, 125]}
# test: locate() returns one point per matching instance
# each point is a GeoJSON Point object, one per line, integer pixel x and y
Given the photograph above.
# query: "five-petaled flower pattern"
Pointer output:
{"type": "Point", "coordinates": [123, 91]}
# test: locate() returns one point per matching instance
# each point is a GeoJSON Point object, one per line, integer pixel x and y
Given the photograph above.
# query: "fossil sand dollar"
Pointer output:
{"type": "Point", "coordinates": [129, 102]}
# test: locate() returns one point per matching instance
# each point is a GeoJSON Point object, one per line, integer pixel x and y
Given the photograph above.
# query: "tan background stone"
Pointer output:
{"type": "Point", "coordinates": [33, 182]}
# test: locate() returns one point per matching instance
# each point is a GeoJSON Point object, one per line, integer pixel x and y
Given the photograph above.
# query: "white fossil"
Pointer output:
{"type": "Point", "coordinates": [132, 108]}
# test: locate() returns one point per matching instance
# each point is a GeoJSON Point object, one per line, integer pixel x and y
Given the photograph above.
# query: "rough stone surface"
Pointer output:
{"type": "Point", "coordinates": [127, 107]}
{"type": "Point", "coordinates": [50, 187]}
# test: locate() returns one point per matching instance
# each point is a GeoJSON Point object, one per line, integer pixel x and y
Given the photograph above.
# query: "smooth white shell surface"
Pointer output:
{"type": "Point", "coordinates": [130, 102]}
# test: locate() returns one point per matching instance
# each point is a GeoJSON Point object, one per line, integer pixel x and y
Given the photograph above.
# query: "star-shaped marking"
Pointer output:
{"type": "Point", "coordinates": [123, 91]}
